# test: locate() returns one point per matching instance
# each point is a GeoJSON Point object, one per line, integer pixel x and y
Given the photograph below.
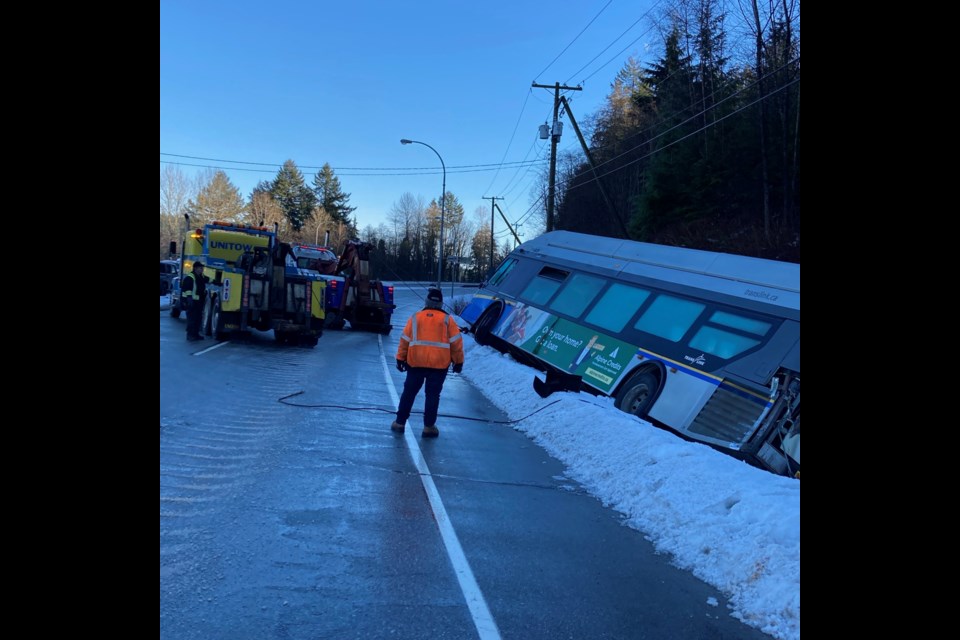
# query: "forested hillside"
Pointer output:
{"type": "Point", "coordinates": [702, 148]}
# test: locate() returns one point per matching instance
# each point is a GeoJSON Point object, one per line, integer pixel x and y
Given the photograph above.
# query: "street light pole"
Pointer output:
{"type": "Point", "coordinates": [443, 198]}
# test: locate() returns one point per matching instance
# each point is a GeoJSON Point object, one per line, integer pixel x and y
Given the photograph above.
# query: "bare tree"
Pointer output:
{"type": "Point", "coordinates": [265, 211]}
{"type": "Point", "coordinates": [405, 214]}
{"type": "Point", "coordinates": [176, 189]}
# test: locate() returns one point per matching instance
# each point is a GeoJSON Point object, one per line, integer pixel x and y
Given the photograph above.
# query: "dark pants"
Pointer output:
{"type": "Point", "coordinates": [416, 376]}
{"type": "Point", "coordinates": [194, 314]}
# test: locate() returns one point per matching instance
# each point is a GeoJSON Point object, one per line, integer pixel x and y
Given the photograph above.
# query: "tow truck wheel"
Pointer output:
{"type": "Point", "coordinates": [334, 320]}
{"type": "Point", "coordinates": [218, 322]}
{"type": "Point", "coordinates": [206, 318]}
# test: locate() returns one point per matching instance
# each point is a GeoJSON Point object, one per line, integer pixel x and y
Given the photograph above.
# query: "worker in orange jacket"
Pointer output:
{"type": "Point", "coordinates": [431, 341]}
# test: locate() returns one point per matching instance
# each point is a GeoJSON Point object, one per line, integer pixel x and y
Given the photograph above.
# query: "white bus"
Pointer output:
{"type": "Point", "coordinates": [705, 344]}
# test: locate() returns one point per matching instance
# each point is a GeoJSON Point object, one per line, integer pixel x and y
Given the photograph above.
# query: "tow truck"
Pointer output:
{"type": "Point", "coordinates": [251, 285]}
{"type": "Point", "coordinates": [351, 294]}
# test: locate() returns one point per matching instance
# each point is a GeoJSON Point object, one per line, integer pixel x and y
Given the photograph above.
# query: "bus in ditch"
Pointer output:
{"type": "Point", "coordinates": [704, 344]}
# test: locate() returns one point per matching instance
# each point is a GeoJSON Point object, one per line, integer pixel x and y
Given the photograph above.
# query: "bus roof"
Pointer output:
{"type": "Point", "coordinates": [753, 279]}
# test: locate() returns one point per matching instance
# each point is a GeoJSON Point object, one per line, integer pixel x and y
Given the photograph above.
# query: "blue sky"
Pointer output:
{"type": "Point", "coordinates": [342, 83]}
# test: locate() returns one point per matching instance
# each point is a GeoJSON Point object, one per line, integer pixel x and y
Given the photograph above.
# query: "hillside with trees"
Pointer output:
{"type": "Point", "coordinates": [701, 148]}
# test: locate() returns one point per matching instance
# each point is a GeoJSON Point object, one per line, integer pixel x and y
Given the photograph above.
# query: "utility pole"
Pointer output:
{"type": "Point", "coordinates": [493, 203]}
{"type": "Point", "coordinates": [554, 139]}
{"type": "Point", "coordinates": [515, 236]}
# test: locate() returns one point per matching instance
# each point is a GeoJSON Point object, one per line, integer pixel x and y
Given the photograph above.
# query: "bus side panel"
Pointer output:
{"type": "Point", "coordinates": [687, 391]}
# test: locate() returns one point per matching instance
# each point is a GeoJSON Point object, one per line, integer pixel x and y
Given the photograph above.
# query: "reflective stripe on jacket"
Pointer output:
{"type": "Point", "coordinates": [189, 288]}
{"type": "Point", "coordinates": [431, 339]}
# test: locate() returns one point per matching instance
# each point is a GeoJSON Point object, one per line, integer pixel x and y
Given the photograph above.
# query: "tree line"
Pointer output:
{"type": "Point", "coordinates": [406, 246]}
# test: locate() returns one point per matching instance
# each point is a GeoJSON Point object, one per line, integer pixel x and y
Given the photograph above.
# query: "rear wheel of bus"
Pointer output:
{"type": "Point", "coordinates": [638, 393]}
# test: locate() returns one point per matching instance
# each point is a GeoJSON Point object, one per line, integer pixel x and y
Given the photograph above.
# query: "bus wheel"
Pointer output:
{"type": "Point", "coordinates": [637, 394]}
{"type": "Point", "coordinates": [486, 322]}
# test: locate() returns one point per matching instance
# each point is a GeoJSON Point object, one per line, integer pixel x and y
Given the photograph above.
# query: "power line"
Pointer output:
{"type": "Point", "coordinates": [681, 139]}
{"type": "Point", "coordinates": [412, 172]}
{"type": "Point", "coordinates": [507, 150]}
{"type": "Point", "coordinates": [574, 40]}
{"type": "Point", "coordinates": [307, 166]}
{"type": "Point", "coordinates": [533, 207]}
{"type": "Point", "coordinates": [507, 187]}
{"type": "Point", "coordinates": [613, 43]}
{"type": "Point", "coordinates": [683, 122]}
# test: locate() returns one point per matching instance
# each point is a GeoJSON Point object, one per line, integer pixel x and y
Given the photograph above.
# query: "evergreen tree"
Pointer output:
{"type": "Point", "coordinates": [326, 187]}
{"type": "Point", "coordinates": [292, 194]}
{"type": "Point", "coordinates": [264, 186]}
{"type": "Point", "coordinates": [668, 177]}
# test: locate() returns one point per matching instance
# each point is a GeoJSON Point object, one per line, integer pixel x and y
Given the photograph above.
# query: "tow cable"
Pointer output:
{"type": "Point", "coordinates": [284, 399]}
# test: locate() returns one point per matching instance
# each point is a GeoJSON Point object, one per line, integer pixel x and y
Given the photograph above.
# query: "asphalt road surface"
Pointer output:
{"type": "Point", "coordinates": [316, 521]}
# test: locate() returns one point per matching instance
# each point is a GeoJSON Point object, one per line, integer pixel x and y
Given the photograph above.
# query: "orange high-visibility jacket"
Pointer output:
{"type": "Point", "coordinates": [431, 339]}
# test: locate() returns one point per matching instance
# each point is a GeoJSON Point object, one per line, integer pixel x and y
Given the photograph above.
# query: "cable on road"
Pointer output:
{"type": "Point", "coordinates": [283, 400]}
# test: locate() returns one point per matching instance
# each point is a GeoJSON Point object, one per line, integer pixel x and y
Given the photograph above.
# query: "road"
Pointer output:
{"type": "Point", "coordinates": [316, 521]}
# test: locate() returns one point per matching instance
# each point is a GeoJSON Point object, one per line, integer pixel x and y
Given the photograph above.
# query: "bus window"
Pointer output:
{"type": "Point", "coordinates": [544, 285]}
{"type": "Point", "coordinates": [502, 272]}
{"type": "Point", "coordinates": [669, 317]}
{"type": "Point", "coordinates": [726, 344]}
{"type": "Point", "coordinates": [616, 307]}
{"type": "Point", "coordinates": [757, 327]}
{"type": "Point", "coordinates": [577, 294]}
{"type": "Point", "coordinates": [720, 343]}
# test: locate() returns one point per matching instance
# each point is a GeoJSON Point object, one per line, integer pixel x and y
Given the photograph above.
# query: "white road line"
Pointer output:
{"type": "Point", "coordinates": [482, 618]}
{"type": "Point", "coordinates": [211, 348]}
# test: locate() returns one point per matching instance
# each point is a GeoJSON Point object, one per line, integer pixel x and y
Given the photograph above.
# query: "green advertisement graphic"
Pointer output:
{"type": "Point", "coordinates": [596, 357]}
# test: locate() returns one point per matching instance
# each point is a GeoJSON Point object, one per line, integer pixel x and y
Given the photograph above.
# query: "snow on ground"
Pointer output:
{"type": "Point", "coordinates": [734, 526]}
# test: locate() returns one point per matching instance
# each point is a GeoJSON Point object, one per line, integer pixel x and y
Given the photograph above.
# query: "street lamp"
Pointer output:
{"type": "Point", "coordinates": [443, 197]}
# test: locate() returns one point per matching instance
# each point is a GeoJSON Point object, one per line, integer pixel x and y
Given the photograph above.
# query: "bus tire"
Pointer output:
{"type": "Point", "coordinates": [485, 323]}
{"type": "Point", "coordinates": [638, 393]}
